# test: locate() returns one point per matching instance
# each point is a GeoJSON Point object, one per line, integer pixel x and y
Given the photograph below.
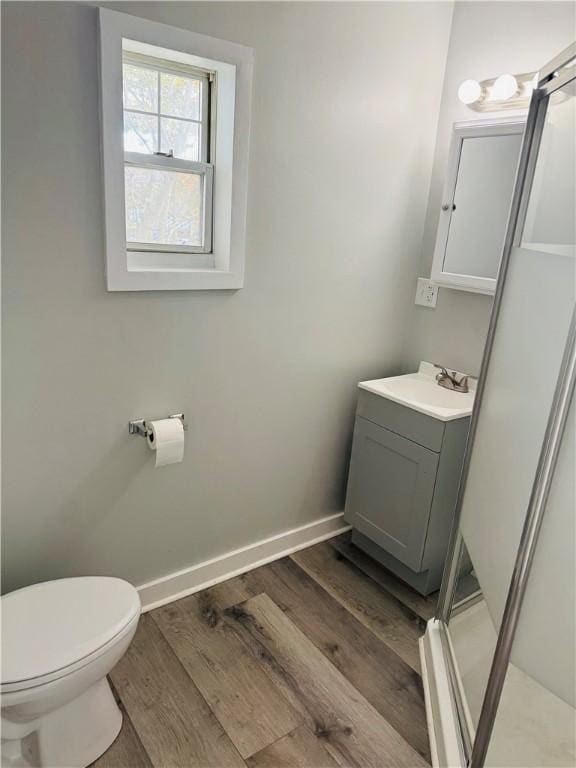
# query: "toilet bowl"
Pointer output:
{"type": "Point", "coordinates": [59, 641]}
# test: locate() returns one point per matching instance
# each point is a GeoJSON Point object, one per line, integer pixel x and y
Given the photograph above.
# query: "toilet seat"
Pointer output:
{"type": "Point", "coordinates": [54, 628]}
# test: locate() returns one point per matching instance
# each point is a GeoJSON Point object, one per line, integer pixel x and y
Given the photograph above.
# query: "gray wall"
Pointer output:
{"type": "Point", "coordinates": [346, 101]}
{"type": "Point", "coordinates": [487, 39]}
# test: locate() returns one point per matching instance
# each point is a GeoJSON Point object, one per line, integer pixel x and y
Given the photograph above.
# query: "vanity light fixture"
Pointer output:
{"type": "Point", "coordinates": [525, 88]}
{"type": "Point", "coordinates": [504, 92]}
{"type": "Point", "coordinates": [470, 91]}
{"type": "Point", "coordinates": [504, 88]}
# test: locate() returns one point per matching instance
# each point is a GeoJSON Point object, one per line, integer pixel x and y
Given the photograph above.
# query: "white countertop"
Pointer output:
{"type": "Point", "coordinates": [421, 392]}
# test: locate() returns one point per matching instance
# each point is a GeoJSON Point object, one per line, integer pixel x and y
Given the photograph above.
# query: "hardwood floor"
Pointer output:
{"type": "Point", "coordinates": [309, 662]}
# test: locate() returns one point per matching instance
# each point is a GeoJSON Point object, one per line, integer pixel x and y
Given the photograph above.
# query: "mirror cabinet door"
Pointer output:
{"type": "Point", "coordinates": [476, 203]}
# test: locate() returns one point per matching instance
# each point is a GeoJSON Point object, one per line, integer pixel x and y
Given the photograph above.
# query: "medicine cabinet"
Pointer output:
{"type": "Point", "coordinates": [475, 203]}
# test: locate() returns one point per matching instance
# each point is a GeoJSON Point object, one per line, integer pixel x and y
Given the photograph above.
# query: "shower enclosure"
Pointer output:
{"type": "Point", "coordinates": [499, 657]}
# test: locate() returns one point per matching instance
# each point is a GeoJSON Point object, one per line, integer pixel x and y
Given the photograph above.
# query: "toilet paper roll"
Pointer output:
{"type": "Point", "coordinates": [166, 437]}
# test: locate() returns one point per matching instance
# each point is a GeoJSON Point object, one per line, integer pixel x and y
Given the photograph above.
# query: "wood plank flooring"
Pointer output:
{"type": "Point", "coordinates": [229, 676]}
{"type": "Point", "coordinates": [397, 626]}
{"type": "Point", "coordinates": [298, 749]}
{"type": "Point", "coordinates": [309, 662]}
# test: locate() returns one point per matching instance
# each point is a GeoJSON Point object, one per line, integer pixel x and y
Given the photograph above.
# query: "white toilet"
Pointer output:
{"type": "Point", "coordinates": [59, 641]}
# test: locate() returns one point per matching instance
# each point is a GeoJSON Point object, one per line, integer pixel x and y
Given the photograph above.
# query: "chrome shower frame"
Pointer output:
{"type": "Point", "coordinates": [473, 749]}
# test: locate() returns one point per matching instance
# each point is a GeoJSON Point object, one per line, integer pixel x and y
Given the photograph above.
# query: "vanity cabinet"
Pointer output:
{"type": "Point", "coordinates": [402, 487]}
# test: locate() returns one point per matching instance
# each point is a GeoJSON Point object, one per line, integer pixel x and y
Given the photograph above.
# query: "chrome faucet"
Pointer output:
{"type": "Point", "coordinates": [451, 380]}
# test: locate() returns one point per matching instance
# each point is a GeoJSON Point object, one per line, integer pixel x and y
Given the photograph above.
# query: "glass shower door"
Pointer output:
{"type": "Point", "coordinates": [526, 351]}
{"type": "Point", "coordinates": [535, 722]}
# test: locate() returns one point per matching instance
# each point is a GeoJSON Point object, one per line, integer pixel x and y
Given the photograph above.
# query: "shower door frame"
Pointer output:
{"type": "Point", "coordinates": [472, 748]}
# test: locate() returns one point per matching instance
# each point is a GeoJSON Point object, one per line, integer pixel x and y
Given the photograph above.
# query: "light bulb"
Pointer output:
{"type": "Point", "coordinates": [530, 85]}
{"type": "Point", "coordinates": [469, 91]}
{"type": "Point", "coordinates": [504, 87]}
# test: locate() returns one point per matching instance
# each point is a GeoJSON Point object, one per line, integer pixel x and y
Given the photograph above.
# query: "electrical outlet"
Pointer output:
{"type": "Point", "coordinates": [426, 293]}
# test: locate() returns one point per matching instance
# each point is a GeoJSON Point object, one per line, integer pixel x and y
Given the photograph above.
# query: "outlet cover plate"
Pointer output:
{"type": "Point", "coordinates": [426, 293]}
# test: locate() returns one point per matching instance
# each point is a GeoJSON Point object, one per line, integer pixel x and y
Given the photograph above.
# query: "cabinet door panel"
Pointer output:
{"type": "Point", "coordinates": [390, 493]}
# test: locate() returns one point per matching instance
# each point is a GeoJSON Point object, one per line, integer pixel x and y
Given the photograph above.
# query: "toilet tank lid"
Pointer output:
{"type": "Point", "coordinates": [50, 626]}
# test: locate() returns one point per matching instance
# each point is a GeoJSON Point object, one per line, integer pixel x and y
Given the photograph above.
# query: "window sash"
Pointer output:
{"type": "Point", "coordinates": [138, 160]}
{"type": "Point", "coordinates": [162, 162]}
{"type": "Point", "coordinates": [165, 65]}
{"type": "Point", "coordinates": [173, 67]}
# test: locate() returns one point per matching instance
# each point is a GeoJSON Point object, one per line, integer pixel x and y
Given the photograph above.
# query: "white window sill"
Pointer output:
{"type": "Point", "coordinates": [174, 279]}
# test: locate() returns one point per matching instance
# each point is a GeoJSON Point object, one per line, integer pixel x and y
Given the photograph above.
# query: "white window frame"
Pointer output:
{"type": "Point", "coordinates": [231, 67]}
{"type": "Point", "coordinates": [201, 167]}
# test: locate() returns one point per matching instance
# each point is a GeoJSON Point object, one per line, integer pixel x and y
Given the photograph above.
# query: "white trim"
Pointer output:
{"type": "Point", "coordinates": [189, 580]}
{"type": "Point", "coordinates": [427, 703]}
{"type": "Point", "coordinates": [440, 715]}
{"type": "Point", "coordinates": [461, 131]}
{"type": "Point", "coordinates": [232, 65]}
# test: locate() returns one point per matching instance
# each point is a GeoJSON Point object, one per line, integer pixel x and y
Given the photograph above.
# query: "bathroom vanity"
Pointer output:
{"type": "Point", "coordinates": [407, 453]}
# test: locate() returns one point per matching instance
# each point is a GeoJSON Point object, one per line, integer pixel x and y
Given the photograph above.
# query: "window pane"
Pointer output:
{"type": "Point", "coordinates": [181, 137]}
{"type": "Point", "coordinates": [179, 96]}
{"type": "Point", "coordinates": [140, 132]}
{"type": "Point", "coordinates": [164, 207]}
{"type": "Point", "coordinates": [140, 88]}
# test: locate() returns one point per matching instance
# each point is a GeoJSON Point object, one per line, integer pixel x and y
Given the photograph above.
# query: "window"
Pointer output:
{"type": "Point", "coordinates": [167, 174]}
{"type": "Point", "coordinates": [175, 131]}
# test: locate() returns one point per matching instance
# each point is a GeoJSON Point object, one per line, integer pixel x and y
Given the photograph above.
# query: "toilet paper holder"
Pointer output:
{"type": "Point", "coordinates": [138, 426]}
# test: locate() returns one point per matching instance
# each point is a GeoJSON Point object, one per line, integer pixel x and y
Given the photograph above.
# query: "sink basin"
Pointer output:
{"type": "Point", "coordinates": [421, 392]}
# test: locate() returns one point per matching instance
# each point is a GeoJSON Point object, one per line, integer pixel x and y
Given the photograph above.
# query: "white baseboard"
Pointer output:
{"type": "Point", "coordinates": [189, 580]}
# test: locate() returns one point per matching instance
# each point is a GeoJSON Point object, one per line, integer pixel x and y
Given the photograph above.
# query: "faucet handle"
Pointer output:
{"type": "Point", "coordinates": [443, 371]}
{"type": "Point", "coordinates": [463, 384]}
{"type": "Point", "coordinates": [457, 382]}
